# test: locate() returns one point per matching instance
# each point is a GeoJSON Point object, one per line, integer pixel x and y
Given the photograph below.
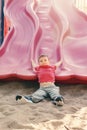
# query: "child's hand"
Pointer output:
{"type": "Point", "coordinates": [33, 63]}
{"type": "Point", "coordinates": [59, 63]}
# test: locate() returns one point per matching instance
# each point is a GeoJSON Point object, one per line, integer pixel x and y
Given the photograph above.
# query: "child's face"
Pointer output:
{"type": "Point", "coordinates": [44, 61]}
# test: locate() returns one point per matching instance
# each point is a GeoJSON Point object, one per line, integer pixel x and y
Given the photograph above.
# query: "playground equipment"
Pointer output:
{"type": "Point", "coordinates": [49, 27]}
{"type": "Point", "coordinates": [1, 21]}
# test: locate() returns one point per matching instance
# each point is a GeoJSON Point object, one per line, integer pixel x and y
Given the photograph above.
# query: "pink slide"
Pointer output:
{"type": "Point", "coordinates": [52, 27]}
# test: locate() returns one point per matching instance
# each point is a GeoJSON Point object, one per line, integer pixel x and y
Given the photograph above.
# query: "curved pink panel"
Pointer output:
{"type": "Point", "coordinates": [52, 27]}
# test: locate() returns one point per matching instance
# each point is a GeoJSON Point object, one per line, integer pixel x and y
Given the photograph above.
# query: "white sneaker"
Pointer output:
{"type": "Point", "coordinates": [23, 99]}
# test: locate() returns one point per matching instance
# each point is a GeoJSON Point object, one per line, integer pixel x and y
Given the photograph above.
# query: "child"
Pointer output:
{"type": "Point", "coordinates": [46, 77]}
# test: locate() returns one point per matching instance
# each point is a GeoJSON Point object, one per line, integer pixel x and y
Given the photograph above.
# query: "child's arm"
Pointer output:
{"type": "Point", "coordinates": [33, 64]}
{"type": "Point", "coordinates": [58, 63]}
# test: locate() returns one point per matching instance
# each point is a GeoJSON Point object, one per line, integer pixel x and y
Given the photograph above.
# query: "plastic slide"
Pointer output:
{"type": "Point", "coordinates": [52, 27]}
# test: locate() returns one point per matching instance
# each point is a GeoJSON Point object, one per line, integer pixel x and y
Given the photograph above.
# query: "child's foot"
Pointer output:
{"type": "Point", "coordinates": [18, 97]}
{"type": "Point", "coordinates": [28, 99]}
{"type": "Point", "coordinates": [59, 101]}
{"type": "Point", "coordinates": [23, 99]}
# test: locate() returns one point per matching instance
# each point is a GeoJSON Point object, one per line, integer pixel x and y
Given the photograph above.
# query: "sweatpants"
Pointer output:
{"type": "Point", "coordinates": [53, 91]}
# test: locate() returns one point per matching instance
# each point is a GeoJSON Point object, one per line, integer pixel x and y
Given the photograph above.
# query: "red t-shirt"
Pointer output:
{"type": "Point", "coordinates": [46, 73]}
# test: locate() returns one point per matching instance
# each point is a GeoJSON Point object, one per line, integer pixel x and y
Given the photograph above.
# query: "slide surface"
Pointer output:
{"type": "Point", "coordinates": [52, 27]}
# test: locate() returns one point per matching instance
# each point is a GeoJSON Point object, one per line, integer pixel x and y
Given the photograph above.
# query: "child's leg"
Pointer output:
{"type": "Point", "coordinates": [39, 95]}
{"type": "Point", "coordinates": [54, 93]}
{"type": "Point", "coordinates": [36, 97]}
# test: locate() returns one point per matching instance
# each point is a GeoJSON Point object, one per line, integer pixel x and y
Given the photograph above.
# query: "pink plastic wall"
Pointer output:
{"type": "Point", "coordinates": [52, 27]}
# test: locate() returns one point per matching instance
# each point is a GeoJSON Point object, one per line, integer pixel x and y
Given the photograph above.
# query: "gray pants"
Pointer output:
{"type": "Point", "coordinates": [43, 92]}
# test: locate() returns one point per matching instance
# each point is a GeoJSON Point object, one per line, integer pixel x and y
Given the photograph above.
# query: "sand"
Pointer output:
{"type": "Point", "coordinates": [44, 115]}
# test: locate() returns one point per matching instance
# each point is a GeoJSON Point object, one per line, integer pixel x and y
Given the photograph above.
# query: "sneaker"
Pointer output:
{"type": "Point", "coordinates": [27, 99]}
{"type": "Point", "coordinates": [18, 97]}
{"type": "Point", "coordinates": [23, 99]}
{"type": "Point", "coordinates": [59, 101]}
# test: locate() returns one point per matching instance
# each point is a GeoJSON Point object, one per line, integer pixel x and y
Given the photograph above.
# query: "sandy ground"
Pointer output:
{"type": "Point", "coordinates": [44, 115]}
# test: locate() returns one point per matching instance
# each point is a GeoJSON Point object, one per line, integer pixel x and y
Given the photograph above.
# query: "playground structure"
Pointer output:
{"type": "Point", "coordinates": [1, 21]}
{"type": "Point", "coordinates": [80, 4]}
{"type": "Point", "coordinates": [49, 27]}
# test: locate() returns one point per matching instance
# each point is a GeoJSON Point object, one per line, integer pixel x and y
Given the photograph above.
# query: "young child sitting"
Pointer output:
{"type": "Point", "coordinates": [46, 77]}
